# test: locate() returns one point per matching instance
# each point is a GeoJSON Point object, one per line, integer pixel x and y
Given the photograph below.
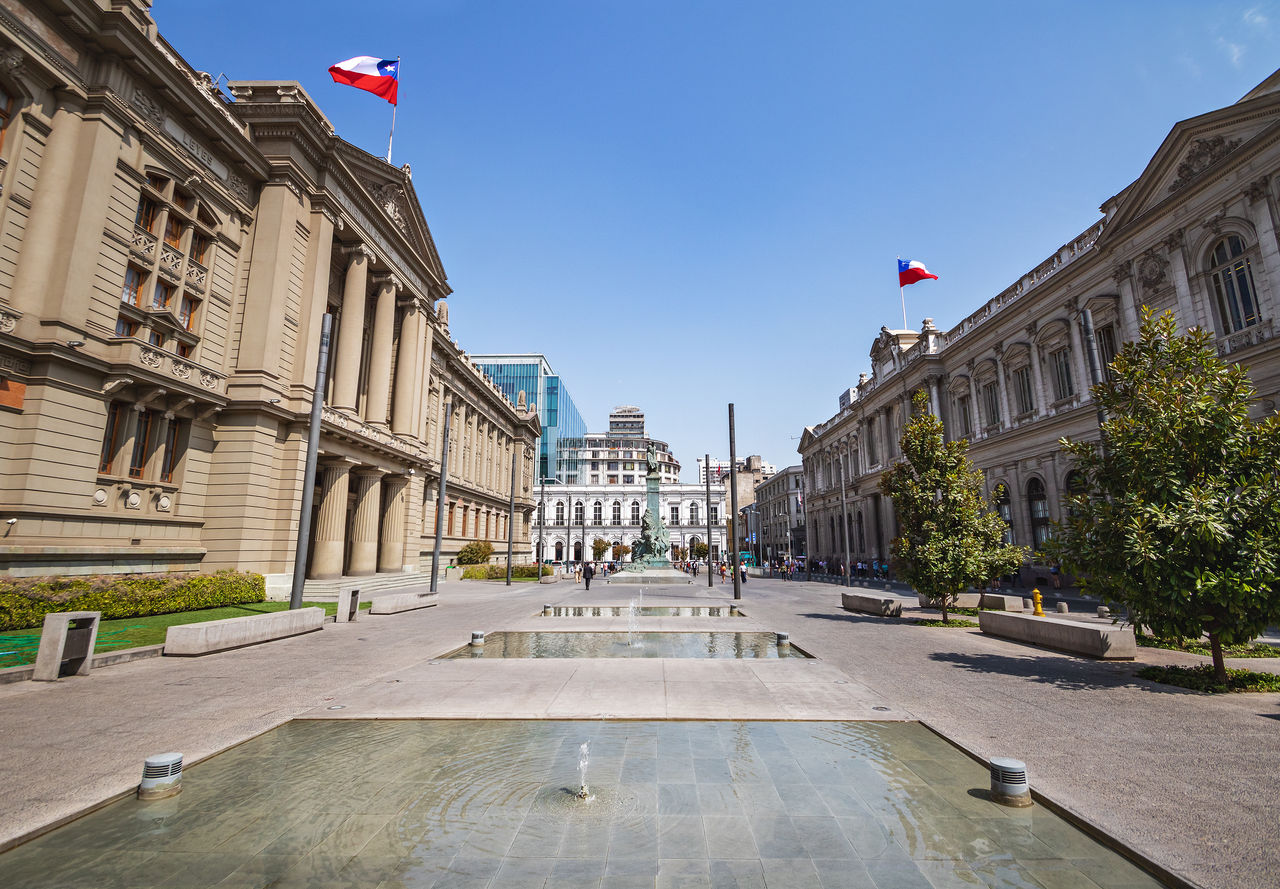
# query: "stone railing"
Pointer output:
{"type": "Point", "coordinates": [197, 276]}
{"type": "Point", "coordinates": [143, 243]}
{"type": "Point", "coordinates": [1243, 339]}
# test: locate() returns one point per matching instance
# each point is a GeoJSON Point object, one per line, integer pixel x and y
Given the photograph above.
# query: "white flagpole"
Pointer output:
{"type": "Point", "coordinates": [903, 296]}
{"type": "Point", "coordinates": [393, 116]}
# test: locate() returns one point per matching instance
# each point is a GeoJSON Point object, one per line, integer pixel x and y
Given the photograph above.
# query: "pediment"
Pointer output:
{"type": "Point", "coordinates": [807, 439]}
{"type": "Point", "coordinates": [1194, 150]}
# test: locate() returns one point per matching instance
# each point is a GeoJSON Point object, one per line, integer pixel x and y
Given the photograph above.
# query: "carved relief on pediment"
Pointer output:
{"type": "Point", "coordinates": [391, 198]}
{"type": "Point", "coordinates": [1203, 154]}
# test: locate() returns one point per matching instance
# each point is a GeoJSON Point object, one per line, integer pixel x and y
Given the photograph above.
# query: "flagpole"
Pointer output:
{"type": "Point", "coordinates": [903, 296]}
{"type": "Point", "coordinates": [393, 122]}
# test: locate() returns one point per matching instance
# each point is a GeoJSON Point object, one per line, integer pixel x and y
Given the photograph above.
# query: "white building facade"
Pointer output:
{"type": "Point", "coordinates": [780, 501]}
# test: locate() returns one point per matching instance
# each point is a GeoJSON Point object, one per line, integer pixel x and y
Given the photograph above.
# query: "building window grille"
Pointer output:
{"type": "Point", "coordinates": [1038, 505]}
{"type": "Point", "coordinates": [111, 437]}
{"type": "Point", "coordinates": [615, 513]}
{"type": "Point", "coordinates": [1022, 386]}
{"type": "Point", "coordinates": [1233, 289]}
{"type": "Point", "coordinates": [1063, 385]}
{"type": "Point", "coordinates": [991, 403]}
{"type": "Point", "coordinates": [964, 417]}
{"type": "Point", "coordinates": [1106, 340]}
{"type": "Point", "coordinates": [141, 444]}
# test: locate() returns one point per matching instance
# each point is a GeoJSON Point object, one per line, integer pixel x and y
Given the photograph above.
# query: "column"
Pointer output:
{"type": "Point", "coordinates": [407, 375]}
{"type": "Point", "coordinates": [1078, 366]}
{"type": "Point", "coordinates": [934, 383]}
{"type": "Point", "coordinates": [391, 550]}
{"type": "Point", "coordinates": [1187, 314]}
{"type": "Point", "coordinates": [975, 415]}
{"type": "Point", "coordinates": [364, 527]}
{"type": "Point", "coordinates": [1005, 420]}
{"type": "Point", "coordinates": [384, 329]}
{"type": "Point", "coordinates": [1037, 376]}
{"type": "Point", "coordinates": [331, 523]}
{"type": "Point", "coordinates": [351, 329]}
{"type": "Point", "coordinates": [1129, 321]}
{"type": "Point", "coordinates": [1259, 202]}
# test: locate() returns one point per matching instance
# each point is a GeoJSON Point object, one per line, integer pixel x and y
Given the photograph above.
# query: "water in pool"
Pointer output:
{"type": "Point", "coordinates": [623, 645]}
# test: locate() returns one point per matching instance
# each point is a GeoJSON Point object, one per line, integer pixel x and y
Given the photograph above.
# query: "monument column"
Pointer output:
{"type": "Point", "coordinates": [364, 527]}
{"type": "Point", "coordinates": [384, 329]}
{"type": "Point", "coordinates": [391, 550]}
{"type": "Point", "coordinates": [351, 329]}
{"type": "Point", "coordinates": [331, 526]}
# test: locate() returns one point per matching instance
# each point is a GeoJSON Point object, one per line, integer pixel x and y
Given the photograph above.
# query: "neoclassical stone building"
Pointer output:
{"type": "Point", "coordinates": [1195, 233]}
{"type": "Point", "coordinates": [167, 253]}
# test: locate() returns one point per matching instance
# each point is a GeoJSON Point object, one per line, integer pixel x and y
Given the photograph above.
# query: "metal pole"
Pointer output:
{"type": "Point", "coordinates": [844, 524]}
{"type": "Point", "coordinates": [707, 466]}
{"type": "Point", "coordinates": [309, 474]}
{"type": "Point", "coordinates": [511, 514]}
{"type": "Point", "coordinates": [804, 507]}
{"type": "Point", "coordinates": [542, 523]}
{"type": "Point", "coordinates": [733, 504]}
{"type": "Point", "coordinates": [440, 498]}
{"type": "Point", "coordinates": [1095, 370]}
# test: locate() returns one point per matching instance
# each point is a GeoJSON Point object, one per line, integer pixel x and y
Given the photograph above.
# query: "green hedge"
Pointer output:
{"type": "Point", "coordinates": [499, 572]}
{"type": "Point", "coordinates": [24, 601]}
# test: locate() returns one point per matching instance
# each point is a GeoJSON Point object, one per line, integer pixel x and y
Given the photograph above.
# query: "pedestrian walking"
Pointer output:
{"type": "Point", "coordinates": [742, 569]}
{"type": "Point", "coordinates": [722, 572]}
{"type": "Point", "coordinates": [588, 572]}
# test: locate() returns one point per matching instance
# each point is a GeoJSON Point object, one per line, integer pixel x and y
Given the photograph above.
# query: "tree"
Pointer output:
{"type": "Point", "coordinates": [477, 552]}
{"type": "Point", "coordinates": [951, 538]}
{"type": "Point", "coordinates": [620, 550]}
{"type": "Point", "coordinates": [1179, 516]}
{"type": "Point", "coordinates": [678, 553]}
{"type": "Point", "coordinates": [599, 547]}
{"type": "Point", "coordinates": [700, 550]}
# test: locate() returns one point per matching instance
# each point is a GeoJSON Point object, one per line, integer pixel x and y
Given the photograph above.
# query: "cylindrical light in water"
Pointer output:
{"type": "Point", "coordinates": [161, 776]}
{"type": "Point", "coordinates": [477, 639]}
{"type": "Point", "coordinates": [1009, 782]}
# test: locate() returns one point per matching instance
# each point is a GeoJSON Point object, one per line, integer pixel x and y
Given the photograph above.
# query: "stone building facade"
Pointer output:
{"type": "Point", "coordinates": [780, 501]}
{"type": "Point", "coordinates": [1195, 234]}
{"type": "Point", "coordinates": [167, 253]}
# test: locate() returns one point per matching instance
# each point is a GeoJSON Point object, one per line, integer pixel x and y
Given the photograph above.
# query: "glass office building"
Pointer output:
{"type": "Point", "coordinates": [563, 428]}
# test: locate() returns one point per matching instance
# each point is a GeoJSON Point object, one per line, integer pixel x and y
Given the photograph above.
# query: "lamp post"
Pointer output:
{"type": "Point", "coordinates": [309, 470]}
{"type": "Point", "coordinates": [542, 523]}
{"type": "Point", "coordinates": [733, 498]}
{"type": "Point", "coordinates": [440, 498]}
{"type": "Point", "coordinates": [707, 465]}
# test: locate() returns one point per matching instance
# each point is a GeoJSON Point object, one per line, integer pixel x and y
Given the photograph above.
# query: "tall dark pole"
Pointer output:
{"type": "Point", "coordinates": [707, 465]}
{"type": "Point", "coordinates": [844, 524]}
{"type": "Point", "coordinates": [1095, 368]}
{"type": "Point", "coordinates": [511, 514]}
{"type": "Point", "coordinates": [804, 511]}
{"type": "Point", "coordinates": [733, 504]}
{"type": "Point", "coordinates": [440, 497]}
{"type": "Point", "coordinates": [309, 474]}
{"type": "Point", "coordinates": [542, 523]}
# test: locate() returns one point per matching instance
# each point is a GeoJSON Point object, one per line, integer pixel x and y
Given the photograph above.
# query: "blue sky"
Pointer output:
{"type": "Point", "coordinates": [684, 204]}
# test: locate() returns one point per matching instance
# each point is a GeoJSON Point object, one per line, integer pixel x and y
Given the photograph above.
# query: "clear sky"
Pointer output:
{"type": "Point", "coordinates": [687, 203]}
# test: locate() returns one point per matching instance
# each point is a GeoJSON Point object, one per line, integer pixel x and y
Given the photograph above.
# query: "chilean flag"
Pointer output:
{"type": "Point", "coordinates": [910, 271]}
{"type": "Point", "coordinates": [378, 76]}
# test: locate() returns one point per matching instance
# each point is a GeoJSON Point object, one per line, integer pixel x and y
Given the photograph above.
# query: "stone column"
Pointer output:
{"type": "Point", "coordinates": [384, 328]}
{"type": "Point", "coordinates": [331, 524]}
{"type": "Point", "coordinates": [1037, 375]}
{"type": "Point", "coordinates": [346, 373]}
{"type": "Point", "coordinates": [1005, 420]}
{"type": "Point", "coordinates": [391, 550]}
{"type": "Point", "coordinates": [407, 376]}
{"type": "Point", "coordinates": [1258, 196]}
{"type": "Point", "coordinates": [364, 527]}
{"type": "Point", "coordinates": [1187, 314]}
{"type": "Point", "coordinates": [1078, 365]}
{"type": "Point", "coordinates": [975, 414]}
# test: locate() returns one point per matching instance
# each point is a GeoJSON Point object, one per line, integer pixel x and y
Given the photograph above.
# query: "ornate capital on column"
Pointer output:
{"type": "Point", "coordinates": [355, 251]}
{"type": "Point", "coordinates": [389, 280]}
{"type": "Point", "coordinates": [1121, 273]}
{"type": "Point", "coordinates": [1257, 190]}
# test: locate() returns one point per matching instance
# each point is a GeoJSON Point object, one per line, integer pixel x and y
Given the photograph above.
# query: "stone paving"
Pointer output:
{"type": "Point", "coordinates": [1185, 779]}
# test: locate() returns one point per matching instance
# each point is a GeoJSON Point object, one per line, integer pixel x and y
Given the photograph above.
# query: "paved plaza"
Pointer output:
{"type": "Point", "coordinates": [1185, 779]}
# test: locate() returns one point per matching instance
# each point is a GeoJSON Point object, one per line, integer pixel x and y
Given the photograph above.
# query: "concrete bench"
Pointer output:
{"type": "Point", "coordinates": [66, 645]}
{"type": "Point", "coordinates": [964, 600]}
{"type": "Point", "coordinates": [236, 632]}
{"type": "Point", "coordinates": [348, 605]}
{"type": "Point", "coordinates": [1001, 602]}
{"type": "Point", "coordinates": [866, 604]}
{"type": "Point", "coordinates": [1100, 640]}
{"type": "Point", "coordinates": [394, 603]}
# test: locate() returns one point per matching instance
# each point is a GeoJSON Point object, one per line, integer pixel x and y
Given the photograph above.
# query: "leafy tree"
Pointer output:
{"type": "Point", "coordinates": [477, 552]}
{"type": "Point", "coordinates": [951, 538]}
{"type": "Point", "coordinates": [1179, 519]}
{"type": "Point", "coordinates": [678, 553]}
{"type": "Point", "coordinates": [620, 550]}
{"type": "Point", "coordinates": [599, 547]}
{"type": "Point", "coordinates": [700, 550]}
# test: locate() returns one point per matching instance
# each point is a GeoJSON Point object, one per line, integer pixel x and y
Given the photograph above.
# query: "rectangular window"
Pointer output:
{"type": "Point", "coordinates": [183, 350]}
{"type": "Point", "coordinates": [613, 480]}
{"type": "Point", "coordinates": [613, 466]}
{"type": "Point", "coordinates": [964, 416]}
{"type": "Point", "coordinates": [1106, 339]}
{"type": "Point", "coordinates": [111, 437]}
{"type": "Point", "coordinates": [157, 182]}
{"type": "Point", "coordinates": [714, 512]}
{"type": "Point", "coordinates": [1063, 387]}
{"type": "Point", "coordinates": [155, 338]}
{"type": "Point", "coordinates": [141, 443]}
{"type": "Point", "coordinates": [131, 293]}
{"type": "Point", "coordinates": [991, 404]}
{"type": "Point", "coordinates": [126, 327]}
{"type": "Point", "coordinates": [148, 210]}
{"type": "Point", "coordinates": [595, 464]}
{"type": "Point", "coordinates": [628, 479]}
{"type": "Point", "coordinates": [1022, 386]}
{"type": "Point", "coordinates": [173, 231]}
{"type": "Point", "coordinates": [871, 442]}
{"type": "Point", "coordinates": [171, 438]}
{"type": "Point", "coordinates": [675, 515]}
{"type": "Point", "coordinates": [187, 311]}
{"type": "Point", "coordinates": [199, 249]}
{"type": "Point", "coordinates": [162, 296]}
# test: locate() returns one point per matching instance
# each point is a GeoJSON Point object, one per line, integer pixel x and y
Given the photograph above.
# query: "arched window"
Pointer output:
{"type": "Point", "coordinates": [693, 514]}
{"type": "Point", "coordinates": [635, 512]}
{"type": "Point", "coordinates": [577, 550]}
{"type": "Point", "coordinates": [559, 512]}
{"type": "Point", "coordinates": [616, 513]}
{"type": "Point", "coordinates": [578, 513]}
{"type": "Point", "coordinates": [559, 550]}
{"type": "Point", "coordinates": [1233, 290]}
{"type": "Point", "coordinates": [1005, 508]}
{"type": "Point", "coordinates": [537, 549]}
{"type": "Point", "coordinates": [1038, 504]}
{"type": "Point", "coordinates": [597, 513]}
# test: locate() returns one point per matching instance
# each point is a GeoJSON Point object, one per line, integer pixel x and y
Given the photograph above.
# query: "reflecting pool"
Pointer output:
{"type": "Point", "coordinates": [641, 611]}
{"type": "Point", "coordinates": [615, 645]}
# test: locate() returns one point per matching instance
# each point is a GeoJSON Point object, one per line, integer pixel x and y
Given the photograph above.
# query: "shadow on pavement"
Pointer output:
{"type": "Point", "coordinates": [1064, 672]}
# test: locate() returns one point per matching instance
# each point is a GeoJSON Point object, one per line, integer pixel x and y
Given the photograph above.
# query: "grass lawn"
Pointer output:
{"type": "Point", "coordinates": [1201, 646]}
{"type": "Point", "coordinates": [18, 647]}
{"type": "Point", "coordinates": [1202, 678]}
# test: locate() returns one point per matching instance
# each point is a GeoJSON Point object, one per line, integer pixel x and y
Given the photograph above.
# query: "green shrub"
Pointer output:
{"type": "Point", "coordinates": [499, 572]}
{"type": "Point", "coordinates": [24, 601]}
{"type": "Point", "coordinates": [477, 552]}
{"type": "Point", "coordinates": [1204, 678]}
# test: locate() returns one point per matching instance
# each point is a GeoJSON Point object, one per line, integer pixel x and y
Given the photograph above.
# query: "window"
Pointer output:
{"type": "Point", "coordinates": [559, 512]}
{"type": "Point", "coordinates": [111, 437]}
{"type": "Point", "coordinates": [1106, 340]}
{"type": "Point", "coordinates": [1005, 508]}
{"type": "Point", "coordinates": [1063, 387]}
{"type": "Point", "coordinates": [871, 442]}
{"type": "Point", "coordinates": [171, 455]}
{"type": "Point", "coordinates": [126, 326]}
{"type": "Point", "coordinates": [1233, 289]}
{"type": "Point", "coordinates": [616, 512]}
{"type": "Point", "coordinates": [183, 350]}
{"type": "Point", "coordinates": [628, 479]}
{"type": "Point", "coordinates": [148, 210]}
{"type": "Point", "coordinates": [713, 513]}
{"type": "Point", "coordinates": [157, 182]}
{"type": "Point", "coordinates": [132, 286]}
{"type": "Point", "coordinates": [635, 512]}
{"type": "Point", "coordinates": [613, 466]}
{"type": "Point", "coordinates": [187, 311]}
{"type": "Point", "coordinates": [991, 404]}
{"type": "Point", "coordinates": [1075, 487]}
{"type": "Point", "coordinates": [595, 464]}
{"type": "Point", "coordinates": [542, 515]}
{"type": "Point", "coordinates": [173, 232]}
{"type": "Point", "coordinates": [1038, 504]}
{"type": "Point", "coordinates": [6, 112]}
{"type": "Point", "coordinates": [1022, 386]}
{"type": "Point", "coordinates": [162, 296]}
{"type": "Point", "coordinates": [597, 513]}
{"type": "Point", "coordinates": [578, 513]}
{"type": "Point", "coordinates": [613, 480]}
{"type": "Point", "coordinates": [141, 444]}
{"type": "Point", "coordinates": [693, 513]}
{"type": "Point", "coordinates": [199, 248]}
{"type": "Point", "coordinates": [675, 514]}
{"type": "Point", "coordinates": [964, 416]}
{"type": "Point", "coordinates": [155, 338]}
